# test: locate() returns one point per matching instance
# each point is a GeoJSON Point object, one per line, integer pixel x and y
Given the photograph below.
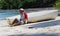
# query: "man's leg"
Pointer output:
{"type": "Point", "coordinates": [16, 24]}
{"type": "Point", "coordinates": [15, 21]}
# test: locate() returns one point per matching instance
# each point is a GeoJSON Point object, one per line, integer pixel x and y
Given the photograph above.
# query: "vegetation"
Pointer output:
{"type": "Point", "coordinates": [58, 4]}
{"type": "Point", "coordinates": [16, 4]}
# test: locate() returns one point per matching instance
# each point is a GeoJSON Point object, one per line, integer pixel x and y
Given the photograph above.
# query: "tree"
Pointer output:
{"type": "Point", "coordinates": [16, 4]}
{"type": "Point", "coordinates": [58, 4]}
{"type": "Point", "coordinates": [39, 3]}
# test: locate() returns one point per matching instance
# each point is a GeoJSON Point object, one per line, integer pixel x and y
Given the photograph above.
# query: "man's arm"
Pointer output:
{"type": "Point", "coordinates": [26, 17]}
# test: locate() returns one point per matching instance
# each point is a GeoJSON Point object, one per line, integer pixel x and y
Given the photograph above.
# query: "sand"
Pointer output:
{"type": "Point", "coordinates": [45, 28]}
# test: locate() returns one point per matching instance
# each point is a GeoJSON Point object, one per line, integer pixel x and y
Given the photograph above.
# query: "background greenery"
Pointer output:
{"type": "Point", "coordinates": [16, 4]}
{"type": "Point", "coordinates": [58, 4]}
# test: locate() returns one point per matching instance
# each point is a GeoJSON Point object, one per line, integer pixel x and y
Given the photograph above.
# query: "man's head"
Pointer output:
{"type": "Point", "coordinates": [21, 10]}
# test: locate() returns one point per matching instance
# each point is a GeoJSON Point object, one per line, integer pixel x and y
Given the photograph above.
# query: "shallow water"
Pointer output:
{"type": "Point", "coordinates": [8, 13]}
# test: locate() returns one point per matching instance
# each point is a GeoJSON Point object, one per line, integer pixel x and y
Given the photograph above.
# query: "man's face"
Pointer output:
{"type": "Point", "coordinates": [21, 11]}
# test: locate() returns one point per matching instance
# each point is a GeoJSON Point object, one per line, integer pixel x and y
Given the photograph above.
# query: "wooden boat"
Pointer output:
{"type": "Point", "coordinates": [38, 16]}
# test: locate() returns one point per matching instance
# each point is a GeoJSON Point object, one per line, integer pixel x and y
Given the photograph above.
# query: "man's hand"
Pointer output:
{"type": "Point", "coordinates": [25, 21]}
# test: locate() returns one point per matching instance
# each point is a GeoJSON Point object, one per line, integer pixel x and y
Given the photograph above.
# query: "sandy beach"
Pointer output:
{"type": "Point", "coordinates": [45, 28]}
{"type": "Point", "coordinates": [29, 17]}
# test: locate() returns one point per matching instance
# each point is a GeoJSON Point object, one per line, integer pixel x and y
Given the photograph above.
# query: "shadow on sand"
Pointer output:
{"type": "Point", "coordinates": [46, 24]}
{"type": "Point", "coordinates": [42, 34]}
{"type": "Point", "coordinates": [51, 23]}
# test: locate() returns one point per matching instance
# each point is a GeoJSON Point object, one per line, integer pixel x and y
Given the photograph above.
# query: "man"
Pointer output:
{"type": "Point", "coordinates": [23, 19]}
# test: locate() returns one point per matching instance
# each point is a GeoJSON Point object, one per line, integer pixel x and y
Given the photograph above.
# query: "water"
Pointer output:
{"type": "Point", "coordinates": [8, 13]}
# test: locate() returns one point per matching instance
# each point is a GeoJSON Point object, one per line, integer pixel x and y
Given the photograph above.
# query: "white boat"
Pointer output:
{"type": "Point", "coordinates": [38, 16]}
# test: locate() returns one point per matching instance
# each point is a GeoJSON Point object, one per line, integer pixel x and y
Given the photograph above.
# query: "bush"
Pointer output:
{"type": "Point", "coordinates": [16, 4]}
{"type": "Point", "coordinates": [58, 4]}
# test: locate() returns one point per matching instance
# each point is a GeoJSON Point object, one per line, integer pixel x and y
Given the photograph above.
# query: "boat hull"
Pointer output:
{"type": "Point", "coordinates": [38, 16]}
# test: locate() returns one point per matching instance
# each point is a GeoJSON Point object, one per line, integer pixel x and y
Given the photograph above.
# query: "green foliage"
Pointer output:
{"type": "Point", "coordinates": [1, 3]}
{"type": "Point", "coordinates": [9, 4]}
{"type": "Point", "coordinates": [39, 3]}
{"type": "Point", "coordinates": [16, 4]}
{"type": "Point", "coordinates": [58, 4]}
